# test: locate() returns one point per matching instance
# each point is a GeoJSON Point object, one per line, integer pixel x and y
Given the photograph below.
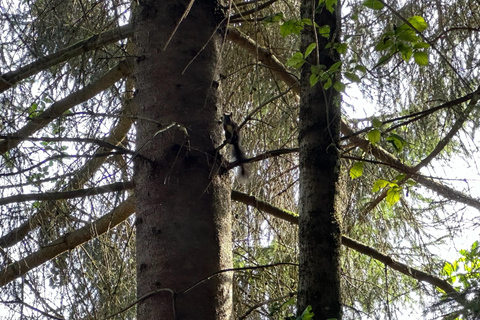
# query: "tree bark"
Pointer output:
{"type": "Point", "coordinates": [319, 131]}
{"type": "Point", "coordinates": [183, 202]}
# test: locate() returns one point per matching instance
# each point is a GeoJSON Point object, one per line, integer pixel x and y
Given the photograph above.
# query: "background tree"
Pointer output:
{"type": "Point", "coordinates": [67, 236]}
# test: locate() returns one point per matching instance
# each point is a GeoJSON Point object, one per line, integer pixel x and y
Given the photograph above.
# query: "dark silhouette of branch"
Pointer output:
{"type": "Point", "coordinates": [258, 305]}
{"type": "Point", "coordinates": [266, 56]}
{"type": "Point", "coordinates": [173, 293]}
{"type": "Point", "coordinates": [60, 156]}
{"type": "Point", "coordinates": [265, 207]}
{"type": "Point", "coordinates": [455, 29]}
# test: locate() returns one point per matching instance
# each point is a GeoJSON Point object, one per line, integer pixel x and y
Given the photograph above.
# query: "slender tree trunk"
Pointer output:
{"type": "Point", "coordinates": [183, 218]}
{"type": "Point", "coordinates": [319, 225]}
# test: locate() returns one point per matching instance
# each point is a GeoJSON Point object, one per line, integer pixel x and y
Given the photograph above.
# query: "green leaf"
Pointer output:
{"type": "Point", "coordinates": [373, 4]}
{"type": "Point", "coordinates": [330, 5]}
{"type": "Point", "coordinates": [342, 48]}
{"type": "Point", "coordinates": [361, 68]}
{"type": "Point", "coordinates": [291, 26]}
{"type": "Point", "coordinates": [400, 177]}
{"type": "Point", "coordinates": [406, 34]}
{"type": "Point", "coordinates": [421, 58]}
{"type": "Point", "coordinates": [296, 60]}
{"type": "Point", "coordinates": [421, 45]}
{"type": "Point", "coordinates": [314, 79]}
{"type": "Point", "coordinates": [339, 86]}
{"type": "Point", "coordinates": [317, 69]}
{"type": "Point", "coordinates": [405, 50]}
{"type": "Point", "coordinates": [327, 84]}
{"type": "Point", "coordinates": [357, 170]}
{"type": "Point", "coordinates": [276, 17]}
{"type": "Point", "coordinates": [306, 21]}
{"type": "Point", "coordinates": [393, 195]}
{"type": "Point", "coordinates": [384, 59]}
{"type": "Point", "coordinates": [307, 314]}
{"type": "Point", "coordinates": [310, 48]}
{"type": "Point", "coordinates": [397, 141]}
{"type": "Point", "coordinates": [384, 44]}
{"type": "Point", "coordinates": [324, 31]}
{"type": "Point", "coordinates": [376, 123]}
{"type": "Point", "coordinates": [374, 136]}
{"type": "Point", "coordinates": [335, 66]}
{"type": "Point", "coordinates": [352, 77]}
{"type": "Point", "coordinates": [379, 184]}
{"type": "Point", "coordinates": [418, 23]}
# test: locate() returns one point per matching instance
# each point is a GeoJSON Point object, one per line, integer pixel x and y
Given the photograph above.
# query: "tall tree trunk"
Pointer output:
{"type": "Point", "coordinates": [319, 225]}
{"type": "Point", "coordinates": [183, 218]}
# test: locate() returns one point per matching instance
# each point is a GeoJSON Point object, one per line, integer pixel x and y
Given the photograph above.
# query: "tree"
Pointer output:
{"type": "Point", "coordinates": [318, 139]}
{"type": "Point", "coordinates": [183, 221]}
{"type": "Point", "coordinates": [68, 195]}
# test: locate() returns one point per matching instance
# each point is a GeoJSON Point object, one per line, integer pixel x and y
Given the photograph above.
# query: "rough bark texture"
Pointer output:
{"type": "Point", "coordinates": [319, 225]}
{"type": "Point", "coordinates": [183, 203]}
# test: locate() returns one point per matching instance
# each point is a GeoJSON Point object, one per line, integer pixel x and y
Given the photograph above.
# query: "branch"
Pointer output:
{"type": "Point", "coordinates": [400, 267]}
{"type": "Point", "coordinates": [389, 159]}
{"type": "Point", "coordinates": [254, 10]}
{"type": "Point", "coordinates": [7, 80]}
{"type": "Point", "coordinates": [265, 207]}
{"type": "Point", "coordinates": [102, 143]}
{"type": "Point", "coordinates": [56, 157]}
{"type": "Point", "coordinates": [263, 156]}
{"type": "Point", "coordinates": [68, 242]}
{"type": "Point", "coordinates": [82, 175]}
{"type": "Point", "coordinates": [381, 154]}
{"type": "Point", "coordinates": [50, 196]}
{"type": "Point", "coordinates": [349, 243]}
{"type": "Point", "coordinates": [455, 128]}
{"type": "Point", "coordinates": [32, 308]}
{"type": "Point", "coordinates": [415, 116]}
{"type": "Point", "coordinates": [122, 70]}
{"type": "Point", "coordinates": [264, 55]}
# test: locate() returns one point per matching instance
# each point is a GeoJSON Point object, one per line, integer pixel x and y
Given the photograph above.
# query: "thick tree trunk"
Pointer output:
{"type": "Point", "coordinates": [319, 225]}
{"type": "Point", "coordinates": [183, 203]}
